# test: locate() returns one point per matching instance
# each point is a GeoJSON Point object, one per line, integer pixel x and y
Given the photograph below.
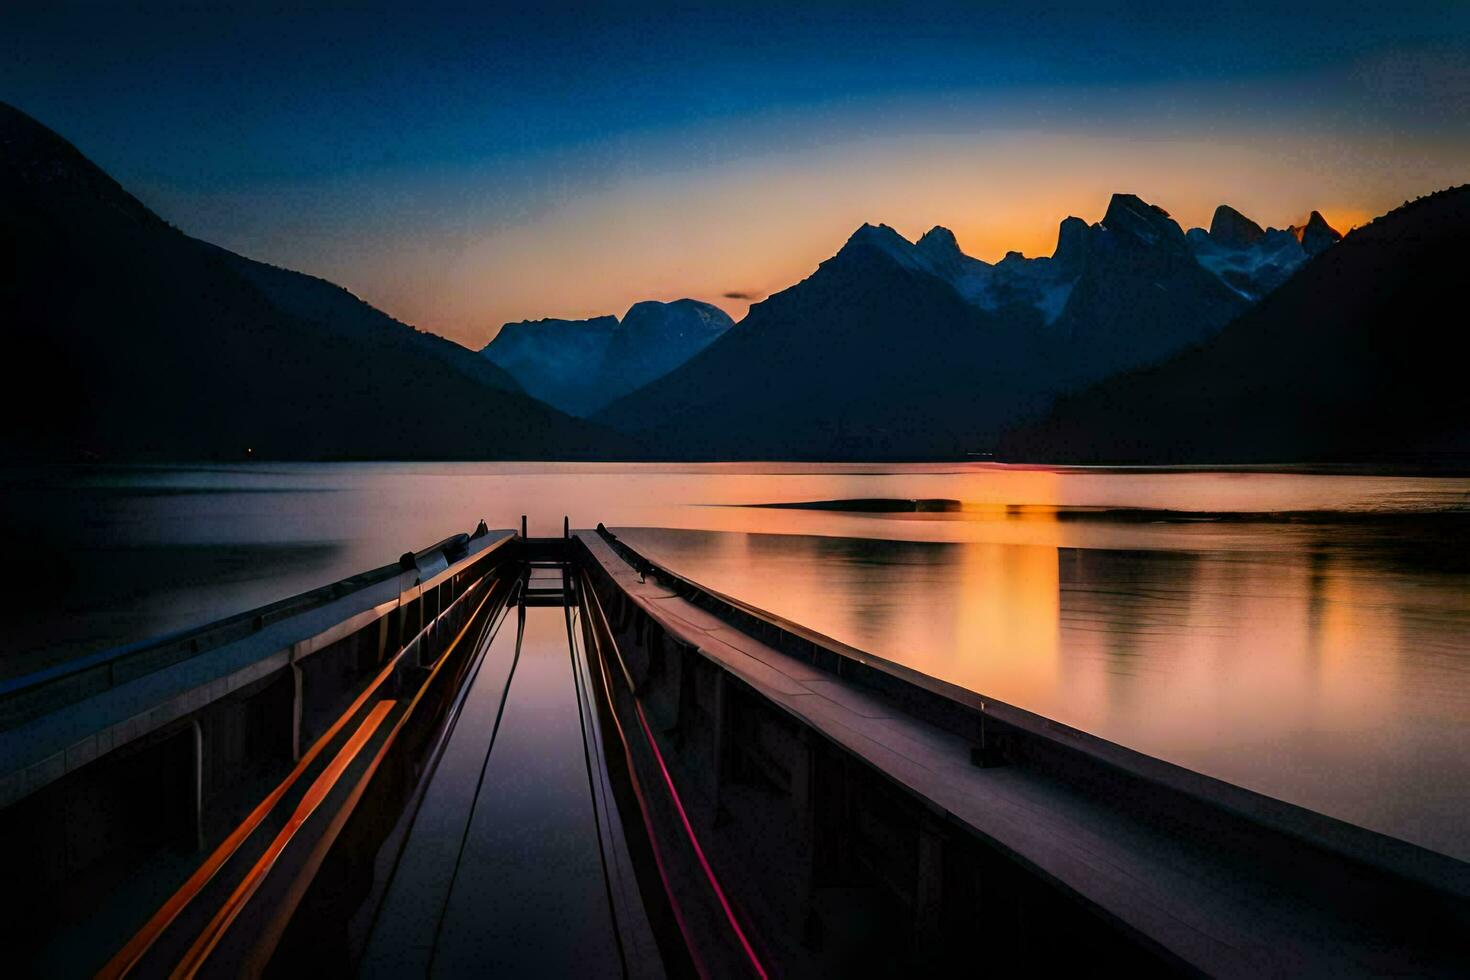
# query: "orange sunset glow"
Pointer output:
{"type": "Point", "coordinates": [759, 222]}
{"type": "Point", "coordinates": [756, 228]}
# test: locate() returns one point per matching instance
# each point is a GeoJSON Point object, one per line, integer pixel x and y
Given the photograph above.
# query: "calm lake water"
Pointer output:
{"type": "Point", "coordinates": [1323, 659]}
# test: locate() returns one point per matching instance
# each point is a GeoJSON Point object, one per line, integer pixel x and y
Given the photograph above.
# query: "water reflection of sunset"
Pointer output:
{"type": "Point", "coordinates": [1318, 660]}
{"type": "Point", "coordinates": [1276, 663]}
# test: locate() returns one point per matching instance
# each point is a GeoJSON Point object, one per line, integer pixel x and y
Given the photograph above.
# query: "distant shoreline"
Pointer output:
{"type": "Point", "coordinates": [943, 505]}
{"type": "Point", "coordinates": [1446, 468]}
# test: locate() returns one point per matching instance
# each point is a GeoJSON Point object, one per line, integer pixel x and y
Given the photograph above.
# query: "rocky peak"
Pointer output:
{"type": "Point", "coordinates": [882, 240]}
{"type": "Point", "coordinates": [939, 250]}
{"type": "Point", "coordinates": [938, 241]}
{"type": "Point", "coordinates": [879, 236]}
{"type": "Point", "coordinates": [1316, 235]}
{"type": "Point", "coordinates": [1131, 218]}
{"type": "Point", "coordinates": [1074, 245]}
{"type": "Point", "coordinates": [681, 317]}
{"type": "Point", "coordinates": [550, 339]}
{"type": "Point", "coordinates": [552, 325]}
{"type": "Point", "coordinates": [1231, 229]}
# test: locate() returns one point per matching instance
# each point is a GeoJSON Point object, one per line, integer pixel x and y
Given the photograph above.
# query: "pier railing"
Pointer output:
{"type": "Point", "coordinates": [171, 739]}
{"type": "Point", "coordinates": [1002, 733]}
{"type": "Point", "coordinates": [39, 692]}
{"type": "Point", "coordinates": [916, 785]}
{"type": "Point", "coordinates": [831, 811]}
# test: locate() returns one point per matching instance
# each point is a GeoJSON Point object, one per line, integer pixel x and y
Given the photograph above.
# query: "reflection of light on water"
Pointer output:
{"type": "Point", "coordinates": [1288, 663]}
{"type": "Point", "coordinates": [1007, 618]}
{"type": "Point", "coordinates": [1324, 663]}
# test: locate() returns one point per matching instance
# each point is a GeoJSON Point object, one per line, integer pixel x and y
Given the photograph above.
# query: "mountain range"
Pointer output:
{"type": "Point", "coordinates": [1135, 341]}
{"type": "Point", "coordinates": [897, 349]}
{"type": "Point", "coordinates": [579, 366]}
{"type": "Point", "coordinates": [1358, 357]}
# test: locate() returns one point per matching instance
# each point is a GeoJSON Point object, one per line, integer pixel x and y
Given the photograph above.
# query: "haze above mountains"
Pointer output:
{"type": "Point", "coordinates": [1134, 341]}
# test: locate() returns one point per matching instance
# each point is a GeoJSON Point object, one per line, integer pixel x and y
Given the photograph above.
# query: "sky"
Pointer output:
{"type": "Point", "coordinates": [462, 169]}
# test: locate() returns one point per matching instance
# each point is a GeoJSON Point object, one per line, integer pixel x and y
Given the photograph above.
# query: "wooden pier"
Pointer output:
{"type": "Point", "coordinates": [533, 755]}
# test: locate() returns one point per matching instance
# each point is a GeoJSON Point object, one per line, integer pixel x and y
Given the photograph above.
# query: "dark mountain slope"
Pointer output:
{"type": "Point", "coordinates": [1360, 356]}
{"type": "Point", "coordinates": [337, 311]}
{"type": "Point", "coordinates": [1141, 294]}
{"type": "Point", "coordinates": [128, 339]}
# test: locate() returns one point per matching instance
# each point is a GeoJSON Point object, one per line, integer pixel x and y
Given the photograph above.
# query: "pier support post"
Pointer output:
{"type": "Point", "coordinates": [803, 799]}
{"type": "Point", "coordinates": [383, 629]}
{"type": "Point", "coordinates": [297, 706]}
{"type": "Point", "coordinates": [197, 795]}
{"type": "Point", "coordinates": [717, 763]}
{"type": "Point", "coordinates": [929, 887]}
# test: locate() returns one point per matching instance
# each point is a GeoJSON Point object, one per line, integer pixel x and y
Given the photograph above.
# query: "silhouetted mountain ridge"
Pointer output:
{"type": "Point", "coordinates": [894, 349]}
{"type": "Point", "coordinates": [1231, 229]}
{"type": "Point", "coordinates": [846, 364]}
{"type": "Point", "coordinates": [340, 312]}
{"type": "Point", "coordinates": [1359, 356]}
{"type": "Point", "coordinates": [151, 344]}
{"type": "Point", "coordinates": [1316, 235]}
{"type": "Point", "coordinates": [161, 346]}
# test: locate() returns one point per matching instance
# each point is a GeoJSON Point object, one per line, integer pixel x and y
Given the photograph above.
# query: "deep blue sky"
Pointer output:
{"type": "Point", "coordinates": [377, 146]}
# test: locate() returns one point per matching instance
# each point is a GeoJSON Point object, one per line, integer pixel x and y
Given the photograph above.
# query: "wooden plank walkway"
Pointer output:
{"type": "Point", "coordinates": [503, 869]}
